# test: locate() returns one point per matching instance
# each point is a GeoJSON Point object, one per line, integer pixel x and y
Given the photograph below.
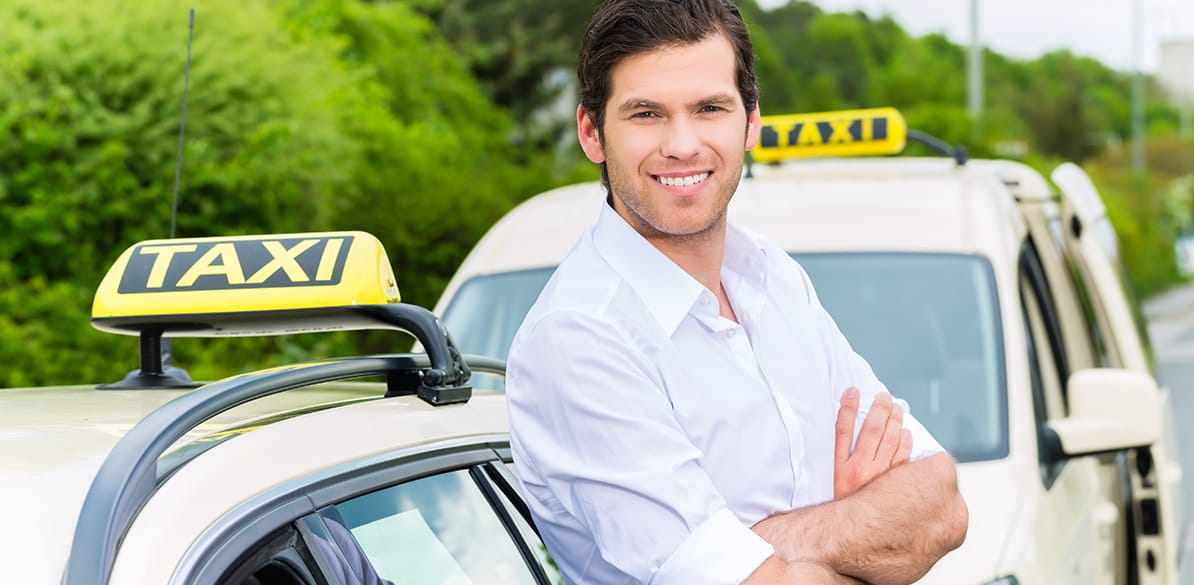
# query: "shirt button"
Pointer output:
{"type": "Point", "coordinates": [731, 332]}
{"type": "Point", "coordinates": [705, 300]}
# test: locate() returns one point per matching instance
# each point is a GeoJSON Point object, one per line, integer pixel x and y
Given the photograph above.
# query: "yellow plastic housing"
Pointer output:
{"type": "Point", "coordinates": [192, 277]}
{"type": "Point", "coordinates": [873, 131]}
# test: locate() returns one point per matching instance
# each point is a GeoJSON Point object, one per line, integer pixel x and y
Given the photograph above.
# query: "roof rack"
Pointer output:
{"type": "Point", "coordinates": [130, 474]}
{"type": "Point", "coordinates": [955, 151]}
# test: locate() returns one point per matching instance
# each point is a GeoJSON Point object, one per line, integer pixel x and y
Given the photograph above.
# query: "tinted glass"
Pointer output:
{"type": "Point", "coordinates": [929, 326]}
{"type": "Point", "coordinates": [487, 310]}
{"type": "Point", "coordinates": [436, 530]}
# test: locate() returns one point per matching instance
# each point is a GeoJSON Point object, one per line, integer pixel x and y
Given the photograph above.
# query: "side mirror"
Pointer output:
{"type": "Point", "coordinates": [1110, 410]}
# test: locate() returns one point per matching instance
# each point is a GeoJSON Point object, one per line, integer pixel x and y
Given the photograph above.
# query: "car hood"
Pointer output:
{"type": "Point", "coordinates": [990, 491]}
{"type": "Point", "coordinates": [52, 442]}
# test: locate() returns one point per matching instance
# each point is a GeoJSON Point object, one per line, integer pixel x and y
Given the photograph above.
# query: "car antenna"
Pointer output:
{"type": "Point", "coordinates": [157, 361]}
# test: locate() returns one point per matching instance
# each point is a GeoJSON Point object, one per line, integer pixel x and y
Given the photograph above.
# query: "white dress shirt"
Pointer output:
{"type": "Point", "coordinates": [650, 433]}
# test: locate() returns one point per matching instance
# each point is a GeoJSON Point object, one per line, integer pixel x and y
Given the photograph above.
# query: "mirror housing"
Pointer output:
{"type": "Point", "coordinates": [1110, 410]}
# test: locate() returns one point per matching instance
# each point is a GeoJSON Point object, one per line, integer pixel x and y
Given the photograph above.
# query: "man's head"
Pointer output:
{"type": "Point", "coordinates": [668, 109]}
{"type": "Point", "coordinates": [621, 28]}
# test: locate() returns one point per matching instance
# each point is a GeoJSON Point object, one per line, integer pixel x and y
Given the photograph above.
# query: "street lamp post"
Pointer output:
{"type": "Point", "coordinates": [1137, 92]}
{"type": "Point", "coordinates": [974, 72]}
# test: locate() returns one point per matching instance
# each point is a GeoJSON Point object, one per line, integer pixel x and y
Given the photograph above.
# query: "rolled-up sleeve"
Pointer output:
{"type": "Point", "coordinates": [614, 484]}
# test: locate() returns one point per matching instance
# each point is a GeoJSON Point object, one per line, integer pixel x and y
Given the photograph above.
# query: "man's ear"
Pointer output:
{"type": "Point", "coordinates": [754, 126]}
{"type": "Point", "coordinates": [589, 135]}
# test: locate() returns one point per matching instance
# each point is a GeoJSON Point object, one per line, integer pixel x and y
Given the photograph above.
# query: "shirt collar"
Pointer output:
{"type": "Point", "coordinates": [666, 290]}
{"type": "Point", "coordinates": [745, 256]}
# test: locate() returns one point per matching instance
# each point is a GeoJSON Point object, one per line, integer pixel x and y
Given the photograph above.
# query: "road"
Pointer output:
{"type": "Point", "coordinates": [1171, 326]}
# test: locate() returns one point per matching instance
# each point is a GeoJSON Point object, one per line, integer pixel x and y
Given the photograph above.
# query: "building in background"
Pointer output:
{"type": "Point", "coordinates": [1176, 74]}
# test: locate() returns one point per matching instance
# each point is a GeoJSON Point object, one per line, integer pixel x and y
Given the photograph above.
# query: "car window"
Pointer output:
{"type": "Point", "coordinates": [929, 326]}
{"type": "Point", "coordinates": [487, 310]}
{"type": "Point", "coordinates": [438, 529]}
{"type": "Point", "coordinates": [1045, 369]}
{"type": "Point", "coordinates": [280, 559]}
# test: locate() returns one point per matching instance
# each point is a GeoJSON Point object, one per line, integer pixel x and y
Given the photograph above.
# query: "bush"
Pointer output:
{"type": "Point", "coordinates": [302, 116]}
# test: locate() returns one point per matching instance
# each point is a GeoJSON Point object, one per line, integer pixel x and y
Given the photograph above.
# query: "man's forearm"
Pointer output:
{"type": "Point", "coordinates": [890, 532]}
{"type": "Point", "coordinates": [775, 571]}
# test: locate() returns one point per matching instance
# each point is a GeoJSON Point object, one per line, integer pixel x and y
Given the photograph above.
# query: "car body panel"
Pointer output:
{"type": "Point", "coordinates": [1100, 266]}
{"type": "Point", "coordinates": [316, 442]}
{"type": "Point", "coordinates": [75, 427]}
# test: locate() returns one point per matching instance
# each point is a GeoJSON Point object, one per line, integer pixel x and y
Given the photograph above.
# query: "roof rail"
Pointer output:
{"type": "Point", "coordinates": [130, 474]}
{"type": "Point", "coordinates": [957, 152]}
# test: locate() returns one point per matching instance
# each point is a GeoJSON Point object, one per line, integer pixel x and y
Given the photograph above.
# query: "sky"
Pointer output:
{"type": "Point", "coordinates": [1027, 28]}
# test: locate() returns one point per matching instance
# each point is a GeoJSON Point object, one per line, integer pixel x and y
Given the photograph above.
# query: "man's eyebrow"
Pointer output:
{"type": "Point", "coordinates": [639, 104]}
{"type": "Point", "coordinates": [720, 99]}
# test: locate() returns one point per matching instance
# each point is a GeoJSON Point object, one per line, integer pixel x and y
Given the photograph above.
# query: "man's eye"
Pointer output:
{"type": "Point", "coordinates": [644, 115]}
{"type": "Point", "coordinates": [712, 108]}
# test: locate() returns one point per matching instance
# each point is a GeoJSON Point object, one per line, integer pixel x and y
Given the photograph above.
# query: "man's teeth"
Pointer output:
{"type": "Point", "coordinates": [682, 181]}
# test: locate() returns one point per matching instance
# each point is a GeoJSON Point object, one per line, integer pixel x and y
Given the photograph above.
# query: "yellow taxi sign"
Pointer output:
{"type": "Point", "coordinates": [193, 277]}
{"type": "Point", "coordinates": [844, 133]}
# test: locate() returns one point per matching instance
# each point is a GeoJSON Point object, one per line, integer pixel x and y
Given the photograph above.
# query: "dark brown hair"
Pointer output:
{"type": "Point", "coordinates": [621, 28]}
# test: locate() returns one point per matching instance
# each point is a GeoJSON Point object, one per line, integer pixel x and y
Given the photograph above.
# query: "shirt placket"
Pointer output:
{"type": "Point", "coordinates": [751, 301]}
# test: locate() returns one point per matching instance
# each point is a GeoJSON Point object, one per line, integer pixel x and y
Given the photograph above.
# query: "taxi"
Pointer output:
{"type": "Point", "coordinates": [357, 470]}
{"type": "Point", "coordinates": [991, 302]}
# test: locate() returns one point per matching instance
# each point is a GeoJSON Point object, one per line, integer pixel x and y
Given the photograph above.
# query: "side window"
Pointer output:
{"type": "Point", "coordinates": [1045, 361]}
{"type": "Point", "coordinates": [438, 529]}
{"type": "Point", "coordinates": [281, 559]}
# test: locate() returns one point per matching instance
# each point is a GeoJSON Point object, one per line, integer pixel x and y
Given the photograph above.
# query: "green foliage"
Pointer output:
{"type": "Point", "coordinates": [512, 47]}
{"type": "Point", "coordinates": [90, 100]}
{"type": "Point", "coordinates": [89, 113]}
{"type": "Point", "coordinates": [302, 116]}
{"type": "Point", "coordinates": [438, 165]}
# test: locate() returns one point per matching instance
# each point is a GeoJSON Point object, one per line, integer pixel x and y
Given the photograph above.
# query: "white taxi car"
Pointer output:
{"type": "Point", "coordinates": [295, 475]}
{"type": "Point", "coordinates": [992, 307]}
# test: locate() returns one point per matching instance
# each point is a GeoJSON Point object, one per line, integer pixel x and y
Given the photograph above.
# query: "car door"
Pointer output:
{"type": "Point", "coordinates": [1093, 253]}
{"type": "Point", "coordinates": [450, 517]}
{"type": "Point", "coordinates": [1076, 509]}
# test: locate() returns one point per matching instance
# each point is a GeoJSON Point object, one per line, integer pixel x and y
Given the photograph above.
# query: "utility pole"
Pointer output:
{"type": "Point", "coordinates": [1137, 92]}
{"type": "Point", "coordinates": [974, 73]}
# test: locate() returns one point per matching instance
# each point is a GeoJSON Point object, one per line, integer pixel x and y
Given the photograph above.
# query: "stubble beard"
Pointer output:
{"type": "Point", "coordinates": [646, 221]}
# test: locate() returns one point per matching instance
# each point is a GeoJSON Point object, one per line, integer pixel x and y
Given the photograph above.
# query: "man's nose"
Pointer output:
{"type": "Point", "coordinates": [681, 140]}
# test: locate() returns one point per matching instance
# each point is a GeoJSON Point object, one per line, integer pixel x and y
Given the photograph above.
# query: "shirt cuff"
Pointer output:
{"type": "Point", "coordinates": [720, 551]}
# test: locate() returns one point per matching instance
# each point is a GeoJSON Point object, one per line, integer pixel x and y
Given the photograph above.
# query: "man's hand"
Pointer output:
{"type": "Point", "coordinates": [883, 442]}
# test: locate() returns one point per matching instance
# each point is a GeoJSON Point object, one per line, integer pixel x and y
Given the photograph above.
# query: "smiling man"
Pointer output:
{"type": "Point", "coordinates": [682, 408]}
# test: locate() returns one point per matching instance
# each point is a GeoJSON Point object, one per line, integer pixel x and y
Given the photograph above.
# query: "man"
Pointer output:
{"type": "Point", "coordinates": [681, 406]}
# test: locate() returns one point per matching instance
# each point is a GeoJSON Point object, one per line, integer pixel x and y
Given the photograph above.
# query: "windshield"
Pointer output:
{"type": "Point", "coordinates": [929, 326]}
{"type": "Point", "coordinates": [927, 323]}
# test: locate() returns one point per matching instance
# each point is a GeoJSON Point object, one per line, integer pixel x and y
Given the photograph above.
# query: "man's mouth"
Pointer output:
{"type": "Point", "coordinates": [682, 181]}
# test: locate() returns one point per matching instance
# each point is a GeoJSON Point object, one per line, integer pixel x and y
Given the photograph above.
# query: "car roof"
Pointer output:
{"type": "Point", "coordinates": [286, 453]}
{"type": "Point", "coordinates": [56, 438]}
{"type": "Point", "coordinates": [914, 204]}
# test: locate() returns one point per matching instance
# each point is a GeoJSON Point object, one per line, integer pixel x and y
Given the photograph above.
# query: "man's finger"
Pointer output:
{"type": "Point", "coordinates": [904, 453]}
{"type": "Point", "coordinates": [873, 426]}
{"type": "Point", "coordinates": [891, 435]}
{"type": "Point", "coordinates": [844, 428]}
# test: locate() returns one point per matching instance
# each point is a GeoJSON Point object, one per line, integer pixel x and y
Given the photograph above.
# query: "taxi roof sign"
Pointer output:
{"type": "Point", "coordinates": [185, 286]}
{"type": "Point", "coordinates": [872, 131]}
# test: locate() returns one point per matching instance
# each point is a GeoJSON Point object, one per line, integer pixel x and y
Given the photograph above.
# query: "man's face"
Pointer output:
{"type": "Point", "coordinates": [675, 133]}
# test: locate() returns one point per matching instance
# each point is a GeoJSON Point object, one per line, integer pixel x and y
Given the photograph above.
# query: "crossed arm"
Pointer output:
{"type": "Point", "coordinates": [890, 520]}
